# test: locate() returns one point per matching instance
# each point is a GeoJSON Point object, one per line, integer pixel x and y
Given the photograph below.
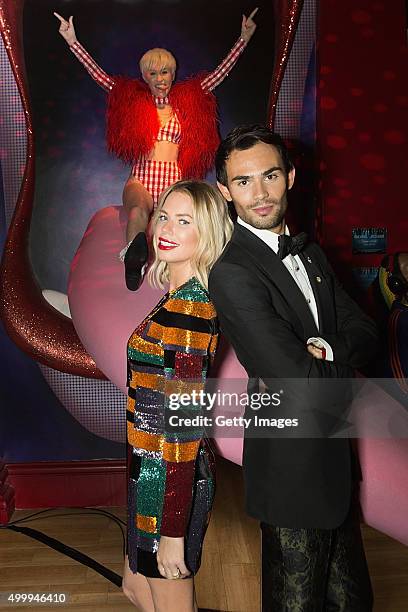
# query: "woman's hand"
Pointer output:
{"type": "Point", "coordinates": [170, 558]}
{"type": "Point", "coordinates": [67, 29]}
{"type": "Point", "coordinates": [248, 26]}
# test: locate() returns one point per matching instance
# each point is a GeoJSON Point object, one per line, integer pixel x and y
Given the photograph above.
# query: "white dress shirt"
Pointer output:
{"type": "Point", "coordinates": [295, 267]}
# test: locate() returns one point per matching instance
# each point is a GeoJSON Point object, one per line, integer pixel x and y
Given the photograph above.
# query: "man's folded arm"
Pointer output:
{"type": "Point", "coordinates": [356, 341]}
{"type": "Point", "coordinates": [258, 334]}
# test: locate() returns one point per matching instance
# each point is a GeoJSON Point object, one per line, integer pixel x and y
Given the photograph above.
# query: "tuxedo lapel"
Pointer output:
{"type": "Point", "coordinates": [264, 258]}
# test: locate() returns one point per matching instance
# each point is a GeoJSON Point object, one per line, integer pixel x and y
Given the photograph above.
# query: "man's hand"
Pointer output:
{"type": "Point", "coordinates": [317, 353]}
{"type": "Point", "coordinates": [67, 29]}
{"type": "Point", "coordinates": [248, 26]}
{"type": "Point", "coordinates": [170, 558]}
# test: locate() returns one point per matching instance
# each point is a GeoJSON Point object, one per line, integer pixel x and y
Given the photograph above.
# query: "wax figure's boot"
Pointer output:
{"type": "Point", "coordinates": [136, 261]}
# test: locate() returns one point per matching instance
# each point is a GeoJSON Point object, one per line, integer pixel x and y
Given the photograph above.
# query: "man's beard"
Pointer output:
{"type": "Point", "coordinates": [269, 221]}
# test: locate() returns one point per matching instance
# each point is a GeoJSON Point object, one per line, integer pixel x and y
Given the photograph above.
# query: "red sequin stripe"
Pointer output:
{"type": "Point", "coordinates": [218, 75]}
{"type": "Point", "coordinates": [96, 72]}
{"type": "Point", "coordinates": [177, 498]}
{"type": "Point", "coordinates": [187, 366]}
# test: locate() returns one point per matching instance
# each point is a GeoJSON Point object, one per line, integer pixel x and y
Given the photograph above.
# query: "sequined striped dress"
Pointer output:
{"type": "Point", "coordinates": [168, 353]}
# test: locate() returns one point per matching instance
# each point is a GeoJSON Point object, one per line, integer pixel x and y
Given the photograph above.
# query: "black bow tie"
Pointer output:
{"type": "Point", "coordinates": [291, 245]}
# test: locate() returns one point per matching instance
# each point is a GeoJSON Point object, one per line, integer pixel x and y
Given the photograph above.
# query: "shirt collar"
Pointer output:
{"type": "Point", "coordinates": [270, 238]}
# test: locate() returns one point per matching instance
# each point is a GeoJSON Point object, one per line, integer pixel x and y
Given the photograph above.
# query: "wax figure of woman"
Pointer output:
{"type": "Point", "coordinates": [170, 353]}
{"type": "Point", "coordinates": [176, 136]}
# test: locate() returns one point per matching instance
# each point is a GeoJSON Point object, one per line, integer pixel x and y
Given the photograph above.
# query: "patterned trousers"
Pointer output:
{"type": "Point", "coordinates": [315, 570]}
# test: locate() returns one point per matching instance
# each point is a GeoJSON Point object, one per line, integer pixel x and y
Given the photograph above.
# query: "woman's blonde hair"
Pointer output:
{"type": "Point", "coordinates": [156, 59]}
{"type": "Point", "coordinates": [210, 215]}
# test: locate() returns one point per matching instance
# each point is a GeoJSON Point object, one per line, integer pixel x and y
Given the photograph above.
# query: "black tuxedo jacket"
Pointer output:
{"type": "Point", "coordinates": [292, 482]}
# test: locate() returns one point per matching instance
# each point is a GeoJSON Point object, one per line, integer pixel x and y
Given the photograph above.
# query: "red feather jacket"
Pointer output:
{"type": "Point", "coordinates": [133, 123]}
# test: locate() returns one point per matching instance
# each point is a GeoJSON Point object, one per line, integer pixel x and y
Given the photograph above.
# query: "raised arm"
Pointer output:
{"type": "Point", "coordinates": [67, 31]}
{"type": "Point", "coordinates": [216, 77]}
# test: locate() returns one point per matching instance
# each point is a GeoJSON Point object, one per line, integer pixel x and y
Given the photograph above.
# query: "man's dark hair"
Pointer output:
{"type": "Point", "coordinates": [244, 137]}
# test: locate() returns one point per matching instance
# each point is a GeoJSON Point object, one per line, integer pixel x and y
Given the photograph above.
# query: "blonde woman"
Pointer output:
{"type": "Point", "coordinates": [171, 475]}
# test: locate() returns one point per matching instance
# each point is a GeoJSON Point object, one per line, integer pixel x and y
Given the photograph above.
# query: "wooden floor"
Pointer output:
{"type": "Point", "coordinates": [228, 579]}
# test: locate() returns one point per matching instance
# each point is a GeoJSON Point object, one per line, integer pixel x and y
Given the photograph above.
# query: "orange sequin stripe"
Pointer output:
{"type": "Point", "coordinates": [150, 348]}
{"type": "Point", "coordinates": [181, 386]}
{"type": "Point", "coordinates": [180, 337]}
{"type": "Point", "coordinates": [146, 523]}
{"type": "Point", "coordinates": [213, 344]}
{"type": "Point", "coordinates": [197, 309]}
{"type": "Point", "coordinates": [143, 439]}
{"type": "Point", "coordinates": [149, 381]}
{"type": "Point", "coordinates": [179, 452]}
{"type": "Point", "coordinates": [130, 404]}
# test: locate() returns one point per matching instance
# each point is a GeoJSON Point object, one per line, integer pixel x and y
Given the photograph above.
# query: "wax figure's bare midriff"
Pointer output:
{"type": "Point", "coordinates": [164, 150]}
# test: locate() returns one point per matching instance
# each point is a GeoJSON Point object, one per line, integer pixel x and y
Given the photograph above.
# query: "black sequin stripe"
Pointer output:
{"type": "Point", "coordinates": [182, 321]}
{"type": "Point", "coordinates": [130, 416]}
{"type": "Point", "coordinates": [137, 363]}
{"type": "Point", "coordinates": [134, 466]}
{"type": "Point", "coordinates": [132, 390]}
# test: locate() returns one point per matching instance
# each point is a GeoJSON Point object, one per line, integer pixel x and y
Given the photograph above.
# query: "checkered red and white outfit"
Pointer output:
{"type": "Point", "coordinates": [156, 175]}
{"type": "Point", "coordinates": [153, 174]}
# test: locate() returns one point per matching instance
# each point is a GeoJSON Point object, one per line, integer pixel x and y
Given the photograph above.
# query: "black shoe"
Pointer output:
{"type": "Point", "coordinates": [135, 261]}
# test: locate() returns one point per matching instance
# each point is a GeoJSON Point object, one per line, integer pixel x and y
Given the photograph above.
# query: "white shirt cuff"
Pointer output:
{"type": "Point", "coordinates": [320, 343]}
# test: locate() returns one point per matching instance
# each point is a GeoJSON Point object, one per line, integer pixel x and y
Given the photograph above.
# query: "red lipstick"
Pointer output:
{"type": "Point", "coordinates": [166, 245]}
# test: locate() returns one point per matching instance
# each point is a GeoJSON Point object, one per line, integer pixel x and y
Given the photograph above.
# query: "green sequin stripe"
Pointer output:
{"type": "Point", "coordinates": [192, 291]}
{"type": "Point", "coordinates": [188, 436]}
{"type": "Point", "coordinates": [150, 491]}
{"type": "Point", "coordinates": [138, 356]}
{"type": "Point", "coordinates": [193, 408]}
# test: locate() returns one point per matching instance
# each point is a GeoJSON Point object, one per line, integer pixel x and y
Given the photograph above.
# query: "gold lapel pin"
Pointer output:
{"type": "Point", "coordinates": [319, 280]}
{"type": "Point", "coordinates": [309, 260]}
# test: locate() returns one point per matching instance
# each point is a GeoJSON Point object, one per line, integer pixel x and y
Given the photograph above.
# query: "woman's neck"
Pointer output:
{"type": "Point", "coordinates": [179, 273]}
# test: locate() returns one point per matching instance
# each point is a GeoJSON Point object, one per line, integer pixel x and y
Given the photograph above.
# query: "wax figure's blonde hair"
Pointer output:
{"type": "Point", "coordinates": [210, 215]}
{"type": "Point", "coordinates": [156, 59]}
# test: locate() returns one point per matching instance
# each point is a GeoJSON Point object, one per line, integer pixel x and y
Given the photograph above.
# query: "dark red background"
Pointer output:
{"type": "Point", "coordinates": [362, 126]}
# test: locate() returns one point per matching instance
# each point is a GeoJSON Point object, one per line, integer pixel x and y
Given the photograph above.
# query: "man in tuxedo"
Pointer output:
{"type": "Point", "coordinates": [288, 319]}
